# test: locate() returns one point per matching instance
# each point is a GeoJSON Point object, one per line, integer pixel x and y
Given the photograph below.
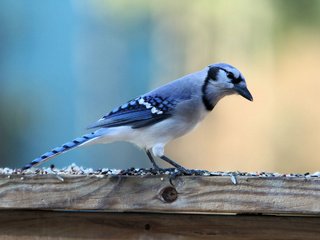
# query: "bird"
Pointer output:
{"type": "Point", "coordinates": [153, 119]}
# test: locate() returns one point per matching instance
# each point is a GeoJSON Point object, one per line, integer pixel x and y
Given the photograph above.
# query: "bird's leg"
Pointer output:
{"type": "Point", "coordinates": [180, 168]}
{"type": "Point", "coordinates": [158, 151]}
{"type": "Point", "coordinates": [176, 165]}
{"type": "Point", "coordinates": [155, 166]}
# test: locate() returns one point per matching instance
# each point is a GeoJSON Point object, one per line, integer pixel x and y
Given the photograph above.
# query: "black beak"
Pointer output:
{"type": "Point", "coordinates": [244, 92]}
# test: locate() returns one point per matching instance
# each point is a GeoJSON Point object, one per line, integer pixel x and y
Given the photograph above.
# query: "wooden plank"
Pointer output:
{"type": "Point", "coordinates": [193, 194]}
{"type": "Point", "coordinates": [25, 225]}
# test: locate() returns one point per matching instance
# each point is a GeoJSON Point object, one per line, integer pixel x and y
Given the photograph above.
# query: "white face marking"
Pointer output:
{"type": "Point", "coordinates": [222, 81]}
{"type": "Point", "coordinates": [222, 78]}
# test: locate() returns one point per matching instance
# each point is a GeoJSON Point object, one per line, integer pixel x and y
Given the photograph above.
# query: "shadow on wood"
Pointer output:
{"type": "Point", "coordinates": [91, 225]}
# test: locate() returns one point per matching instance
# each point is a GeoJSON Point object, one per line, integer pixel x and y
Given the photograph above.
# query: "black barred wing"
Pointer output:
{"type": "Point", "coordinates": [140, 112]}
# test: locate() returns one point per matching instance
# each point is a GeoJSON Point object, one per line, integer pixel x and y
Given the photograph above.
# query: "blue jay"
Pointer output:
{"type": "Point", "coordinates": [152, 120]}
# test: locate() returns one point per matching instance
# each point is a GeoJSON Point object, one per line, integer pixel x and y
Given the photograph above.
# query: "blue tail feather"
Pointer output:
{"type": "Point", "coordinates": [59, 150]}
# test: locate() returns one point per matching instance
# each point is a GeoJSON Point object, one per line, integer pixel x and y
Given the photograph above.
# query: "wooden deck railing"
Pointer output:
{"type": "Point", "coordinates": [106, 207]}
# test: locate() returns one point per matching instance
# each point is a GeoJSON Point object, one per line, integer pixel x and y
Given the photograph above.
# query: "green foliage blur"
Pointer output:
{"type": "Point", "coordinates": [64, 64]}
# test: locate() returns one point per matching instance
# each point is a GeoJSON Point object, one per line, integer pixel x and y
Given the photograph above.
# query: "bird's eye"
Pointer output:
{"type": "Point", "coordinates": [230, 75]}
{"type": "Point", "coordinates": [234, 80]}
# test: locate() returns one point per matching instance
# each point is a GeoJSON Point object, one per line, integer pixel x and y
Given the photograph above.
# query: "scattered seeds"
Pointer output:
{"type": "Point", "coordinates": [73, 169]}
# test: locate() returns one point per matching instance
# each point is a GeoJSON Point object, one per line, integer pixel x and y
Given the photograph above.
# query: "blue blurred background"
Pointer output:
{"type": "Point", "coordinates": [64, 64]}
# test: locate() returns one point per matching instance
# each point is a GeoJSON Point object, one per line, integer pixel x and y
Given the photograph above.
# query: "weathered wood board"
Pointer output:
{"type": "Point", "coordinates": [184, 194]}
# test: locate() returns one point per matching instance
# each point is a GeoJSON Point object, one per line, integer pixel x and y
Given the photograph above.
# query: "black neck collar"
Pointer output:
{"type": "Point", "coordinates": [208, 105]}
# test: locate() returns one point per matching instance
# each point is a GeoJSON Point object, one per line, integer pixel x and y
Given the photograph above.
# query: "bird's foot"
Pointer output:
{"type": "Point", "coordinates": [181, 171]}
{"type": "Point", "coordinates": [159, 170]}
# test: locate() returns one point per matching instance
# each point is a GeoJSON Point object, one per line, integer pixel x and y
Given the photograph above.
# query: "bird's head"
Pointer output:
{"type": "Point", "coordinates": [221, 80]}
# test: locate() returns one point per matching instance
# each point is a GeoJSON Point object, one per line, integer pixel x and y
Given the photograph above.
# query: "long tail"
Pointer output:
{"type": "Point", "coordinates": [64, 148]}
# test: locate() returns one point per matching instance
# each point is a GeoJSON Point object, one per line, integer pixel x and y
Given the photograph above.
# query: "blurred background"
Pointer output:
{"type": "Point", "coordinates": [64, 64]}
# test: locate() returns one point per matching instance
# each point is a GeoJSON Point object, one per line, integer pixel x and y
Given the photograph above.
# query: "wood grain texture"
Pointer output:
{"type": "Point", "coordinates": [25, 225]}
{"type": "Point", "coordinates": [194, 194]}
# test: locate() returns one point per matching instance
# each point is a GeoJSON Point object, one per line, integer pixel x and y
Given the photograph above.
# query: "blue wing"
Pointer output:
{"type": "Point", "coordinates": [140, 112]}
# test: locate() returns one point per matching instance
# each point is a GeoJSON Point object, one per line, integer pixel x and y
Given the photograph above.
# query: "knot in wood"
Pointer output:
{"type": "Point", "coordinates": [169, 194]}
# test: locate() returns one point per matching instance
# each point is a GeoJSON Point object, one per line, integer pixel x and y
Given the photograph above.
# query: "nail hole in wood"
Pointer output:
{"type": "Point", "coordinates": [147, 227]}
